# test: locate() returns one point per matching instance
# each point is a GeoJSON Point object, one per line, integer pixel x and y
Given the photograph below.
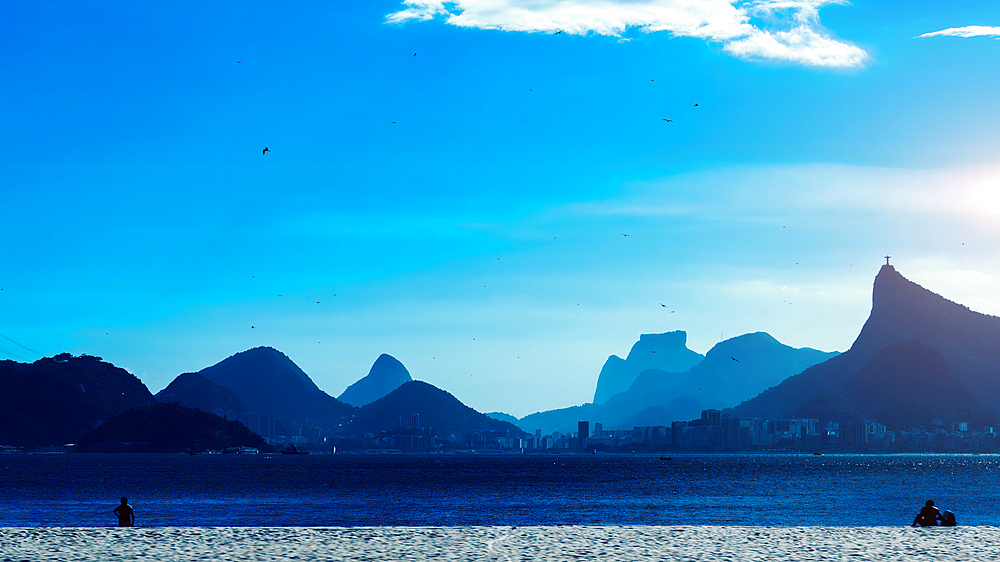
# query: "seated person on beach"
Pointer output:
{"type": "Point", "coordinates": [948, 519]}
{"type": "Point", "coordinates": [126, 517]}
{"type": "Point", "coordinates": [928, 516]}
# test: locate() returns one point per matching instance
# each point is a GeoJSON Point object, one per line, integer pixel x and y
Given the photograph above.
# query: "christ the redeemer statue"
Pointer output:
{"type": "Point", "coordinates": [887, 260]}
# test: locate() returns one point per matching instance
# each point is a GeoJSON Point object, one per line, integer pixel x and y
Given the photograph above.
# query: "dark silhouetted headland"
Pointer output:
{"type": "Point", "coordinates": [58, 400]}
{"type": "Point", "coordinates": [168, 428]}
{"type": "Point", "coordinates": [919, 356]}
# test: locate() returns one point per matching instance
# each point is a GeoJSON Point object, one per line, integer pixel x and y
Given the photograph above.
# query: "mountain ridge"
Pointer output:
{"type": "Point", "coordinates": [658, 397]}
{"type": "Point", "coordinates": [963, 346]}
{"type": "Point", "coordinates": [266, 380]}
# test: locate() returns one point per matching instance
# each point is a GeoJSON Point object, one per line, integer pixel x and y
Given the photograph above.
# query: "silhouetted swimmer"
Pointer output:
{"type": "Point", "coordinates": [126, 517]}
{"type": "Point", "coordinates": [928, 516]}
{"type": "Point", "coordinates": [948, 519]}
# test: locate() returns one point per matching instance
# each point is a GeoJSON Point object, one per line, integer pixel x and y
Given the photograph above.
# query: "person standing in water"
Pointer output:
{"type": "Point", "coordinates": [126, 517]}
{"type": "Point", "coordinates": [928, 516]}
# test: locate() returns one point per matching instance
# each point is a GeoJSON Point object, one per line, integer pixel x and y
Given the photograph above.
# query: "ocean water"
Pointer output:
{"type": "Point", "coordinates": [70, 490]}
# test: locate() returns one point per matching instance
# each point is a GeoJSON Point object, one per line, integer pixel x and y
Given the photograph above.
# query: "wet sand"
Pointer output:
{"type": "Point", "coordinates": [500, 543]}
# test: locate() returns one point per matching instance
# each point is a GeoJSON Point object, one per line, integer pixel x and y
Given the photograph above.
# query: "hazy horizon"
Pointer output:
{"type": "Point", "coordinates": [498, 205]}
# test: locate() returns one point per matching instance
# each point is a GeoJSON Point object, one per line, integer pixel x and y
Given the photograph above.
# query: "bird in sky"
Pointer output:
{"type": "Point", "coordinates": [696, 105]}
{"type": "Point", "coordinates": [623, 234]}
{"type": "Point", "coordinates": [266, 149]}
{"type": "Point", "coordinates": [669, 120]}
{"type": "Point", "coordinates": [734, 359]}
{"type": "Point", "coordinates": [239, 62]}
{"type": "Point", "coordinates": [663, 305]}
{"type": "Point", "coordinates": [414, 54]}
{"type": "Point", "coordinates": [558, 32]}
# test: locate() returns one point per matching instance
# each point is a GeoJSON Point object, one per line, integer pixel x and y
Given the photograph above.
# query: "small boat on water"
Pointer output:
{"type": "Point", "coordinates": [240, 451]}
{"type": "Point", "coordinates": [291, 450]}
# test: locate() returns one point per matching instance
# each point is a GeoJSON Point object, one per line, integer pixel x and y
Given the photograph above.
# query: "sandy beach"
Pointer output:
{"type": "Point", "coordinates": [500, 543]}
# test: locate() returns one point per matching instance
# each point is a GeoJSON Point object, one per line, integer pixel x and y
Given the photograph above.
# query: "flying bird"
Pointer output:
{"type": "Point", "coordinates": [734, 359]}
{"type": "Point", "coordinates": [239, 61]}
{"type": "Point", "coordinates": [696, 105]}
{"type": "Point", "coordinates": [663, 305]}
{"type": "Point", "coordinates": [266, 149]}
{"type": "Point", "coordinates": [669, 120]}
{"type": "Point", "coordinates": [558, 32]}
{"type": "Point", "coordinates": [623, 234]}
{"type": "Point", "coordinates": [414, 54]}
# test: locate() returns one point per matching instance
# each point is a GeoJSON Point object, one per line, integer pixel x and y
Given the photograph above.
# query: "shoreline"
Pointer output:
{"type": "Point", "coordinates": [626, 543]}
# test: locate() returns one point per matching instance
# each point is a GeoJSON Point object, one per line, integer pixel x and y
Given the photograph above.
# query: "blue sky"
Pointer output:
{"type": "Point", "coordinates": [463, 208]}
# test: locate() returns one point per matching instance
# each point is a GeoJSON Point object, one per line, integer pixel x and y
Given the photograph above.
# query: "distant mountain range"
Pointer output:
{"type": "Point", "coordinates": [731, 371]}
{"type": "Point", "coordinates": [265, 380]}
{"type": "Point", "coordinates": [918, 357]}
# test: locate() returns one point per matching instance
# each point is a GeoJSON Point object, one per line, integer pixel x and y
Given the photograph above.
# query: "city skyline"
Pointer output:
{"type": "Point", "coordinates": [498, 205]}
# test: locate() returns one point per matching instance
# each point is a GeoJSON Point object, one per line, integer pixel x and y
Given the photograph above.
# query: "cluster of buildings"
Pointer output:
{"type": "Point", "coordinates": [716, 431]}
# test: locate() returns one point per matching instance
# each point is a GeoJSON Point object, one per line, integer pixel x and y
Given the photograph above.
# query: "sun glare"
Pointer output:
{"type": "Point", "coordinates": [985, 197]}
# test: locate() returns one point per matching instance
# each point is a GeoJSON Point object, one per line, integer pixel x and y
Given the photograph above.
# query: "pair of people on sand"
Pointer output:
{"type": "Point", "coordinates": [930, 515]}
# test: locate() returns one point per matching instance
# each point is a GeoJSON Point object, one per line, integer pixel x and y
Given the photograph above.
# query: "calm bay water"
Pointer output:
{"type": "Point", "coordinates": [448, 490]}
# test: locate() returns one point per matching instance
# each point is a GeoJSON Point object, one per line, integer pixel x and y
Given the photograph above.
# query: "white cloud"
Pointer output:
{"type": "Point", "coordinates": [789, 30]}
{"type": "Point", "coordinates": [967, 31]}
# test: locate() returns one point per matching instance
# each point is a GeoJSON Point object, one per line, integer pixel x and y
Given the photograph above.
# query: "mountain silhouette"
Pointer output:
{"type": "Point", "coordinates": [436, 409]}
{"type": "Point", "coordinates": [918, 356]}
{"type": "Point", "coordinates": [667, 352]}
{"type": "Point", "coordinates": [732, 370]}
{"type": "Point", "coordinates": [658, 397]}
{"type": "Point", "coordinates": [268, 381]}
{"type": "Point", "coordinates": [58, 400]}
{"type": "Point", "coordinates": [386, 375]}
{"type": "Point", "coordinates": [502, 416]}
{"type": "Point", "coordinates": [196, 391]}
{"type": "Point", "coordinates": [168, 428]}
